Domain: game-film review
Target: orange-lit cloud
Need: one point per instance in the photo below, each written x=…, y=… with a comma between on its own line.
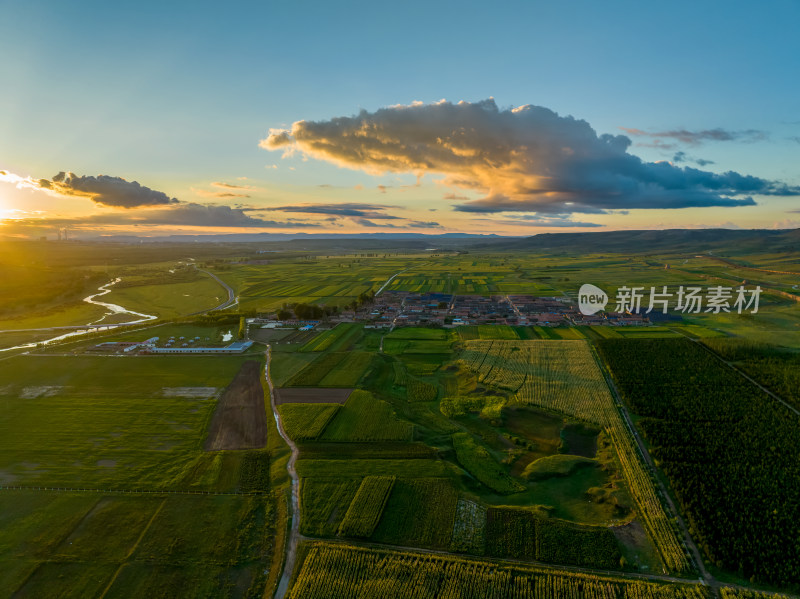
x=522, y=159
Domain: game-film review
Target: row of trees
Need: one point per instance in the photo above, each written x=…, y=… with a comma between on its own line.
x=729, y=449
x=303, y=311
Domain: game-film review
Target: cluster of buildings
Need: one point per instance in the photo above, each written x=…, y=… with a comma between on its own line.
x=181, y=345
x=401, y=308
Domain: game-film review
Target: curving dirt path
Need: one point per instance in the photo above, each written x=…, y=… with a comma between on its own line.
x=294, y=534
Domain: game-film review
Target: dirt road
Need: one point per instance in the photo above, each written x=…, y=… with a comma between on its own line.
x=294, y=534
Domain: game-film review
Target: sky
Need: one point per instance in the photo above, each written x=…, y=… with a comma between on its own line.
x=154, y=118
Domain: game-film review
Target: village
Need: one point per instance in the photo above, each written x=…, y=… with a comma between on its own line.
x=400, y=308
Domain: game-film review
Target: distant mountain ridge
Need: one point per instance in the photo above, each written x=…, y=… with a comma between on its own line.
x=662, y=240
x=648, y=241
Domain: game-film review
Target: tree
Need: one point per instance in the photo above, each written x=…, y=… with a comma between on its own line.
x=242, y=328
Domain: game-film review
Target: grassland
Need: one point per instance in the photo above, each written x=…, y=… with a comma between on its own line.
x=169, y=300
x=128, y=425
x=78, y=545
x=556, y=466
x=141, y=421
x=480, y=463
x=563, y=376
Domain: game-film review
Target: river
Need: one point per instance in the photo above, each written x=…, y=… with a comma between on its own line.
x=112, y=309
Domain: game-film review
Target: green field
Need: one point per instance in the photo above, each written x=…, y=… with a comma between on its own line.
x=325, y=502
x=78, y=545
x=140, y=424
x=728, y=449
x=480, y=463
x=495, y=441
x=366, y=508
x=125, y=424
x=365, y=418
x=420, y=512
x=306, y=421
x=169, y=300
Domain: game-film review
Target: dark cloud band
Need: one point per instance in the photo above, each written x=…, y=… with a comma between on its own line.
x=108, y=191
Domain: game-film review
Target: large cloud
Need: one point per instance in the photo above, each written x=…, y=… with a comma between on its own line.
x=105, y=190
x=522, y=159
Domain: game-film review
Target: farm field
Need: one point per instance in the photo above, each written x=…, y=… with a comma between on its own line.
x=333, y=570
x=137, y=441
x=775, y=367
x=481, y=444
x=333, y=280
x=481, y=450
x=83, y=544
x=141, y=423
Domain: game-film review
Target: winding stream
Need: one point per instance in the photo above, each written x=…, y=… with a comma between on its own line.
x=112, y=309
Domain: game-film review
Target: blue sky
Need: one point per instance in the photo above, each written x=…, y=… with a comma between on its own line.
x=178, y=97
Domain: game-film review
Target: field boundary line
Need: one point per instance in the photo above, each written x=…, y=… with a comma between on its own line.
x=133, y=548
x=747, y=377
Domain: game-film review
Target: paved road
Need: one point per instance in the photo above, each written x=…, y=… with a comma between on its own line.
x=294, y=535
x=231, y=295
x=389, y=280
